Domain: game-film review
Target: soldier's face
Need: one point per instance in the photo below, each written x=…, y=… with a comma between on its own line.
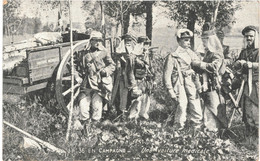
x=95, y=43
x=205, y=42
x=250, y=37
x=128, y=43
x=185, y=43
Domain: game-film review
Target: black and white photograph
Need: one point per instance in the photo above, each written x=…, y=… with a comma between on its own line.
x=130, y=80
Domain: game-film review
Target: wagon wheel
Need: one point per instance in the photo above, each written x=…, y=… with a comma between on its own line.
x=63, y=79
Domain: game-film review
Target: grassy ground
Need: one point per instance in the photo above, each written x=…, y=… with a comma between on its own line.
x=153, y=139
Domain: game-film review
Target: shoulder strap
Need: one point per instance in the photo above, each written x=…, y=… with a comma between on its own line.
x=179, y=71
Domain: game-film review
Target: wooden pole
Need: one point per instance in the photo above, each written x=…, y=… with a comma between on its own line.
x=72, y=75
x=46, y=144
x=122, y=18
x=103, y=22
x=215, y=13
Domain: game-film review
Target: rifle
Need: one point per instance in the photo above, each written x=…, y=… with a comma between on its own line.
x=236, y=101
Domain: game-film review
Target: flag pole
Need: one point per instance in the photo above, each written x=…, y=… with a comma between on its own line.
x=72, y=74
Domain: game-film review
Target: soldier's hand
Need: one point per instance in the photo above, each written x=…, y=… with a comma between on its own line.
x=173, y=95
x=130, y=56
x=239, y=64
x=79, y=79
x=247, y=65
x=103, y=73
x=211, y=67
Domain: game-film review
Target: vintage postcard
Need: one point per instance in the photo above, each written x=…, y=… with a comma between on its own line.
x=130, y=80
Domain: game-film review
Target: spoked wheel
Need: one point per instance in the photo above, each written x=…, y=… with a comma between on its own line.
x=63, y=80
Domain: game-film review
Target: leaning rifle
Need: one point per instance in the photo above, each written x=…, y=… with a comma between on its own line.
x=236, y=101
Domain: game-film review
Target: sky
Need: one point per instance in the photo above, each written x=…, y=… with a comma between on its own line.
x=249, y=15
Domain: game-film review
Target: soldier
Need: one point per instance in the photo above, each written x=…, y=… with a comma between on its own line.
x=179, y=81
x=143, y=77
x=125, y=79
x=226, y=50
x=211, y=69
x=97, y=81
x=247, y=65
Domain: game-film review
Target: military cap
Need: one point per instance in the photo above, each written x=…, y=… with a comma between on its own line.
x=184, y=33
x=129, y=36
x=248, y=28
x=143, y=39
x=96, y=35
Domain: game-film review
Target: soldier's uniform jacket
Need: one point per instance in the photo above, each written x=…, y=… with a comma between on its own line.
x=249, y=101
x=252, y=56
x=183, y=58
x=213, y=60
x=227, y=55
x=140, y=64
x=99, y=67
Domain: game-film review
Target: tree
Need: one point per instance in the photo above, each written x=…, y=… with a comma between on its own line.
x=121, y=10
x=11, y=21
x=149, y=18
x=188, y=13
x=30, y=26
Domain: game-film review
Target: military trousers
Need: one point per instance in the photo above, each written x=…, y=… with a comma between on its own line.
x=188, y=98
x=97, y=106
x=250, y=105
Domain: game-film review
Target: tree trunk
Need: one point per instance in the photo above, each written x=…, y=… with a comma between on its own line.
x=191, y=25
x=149, y=18
x=126, y=22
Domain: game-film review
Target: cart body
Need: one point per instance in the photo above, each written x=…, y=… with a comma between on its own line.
x=34, y=72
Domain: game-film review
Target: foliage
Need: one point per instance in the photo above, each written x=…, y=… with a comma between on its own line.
x=189, y=13
x=10, y=16
x=30, y=26
x=121, y=10
x=203, y=11
x=119, y=140
x=118, y=12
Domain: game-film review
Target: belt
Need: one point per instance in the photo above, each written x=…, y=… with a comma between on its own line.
x=187, y=73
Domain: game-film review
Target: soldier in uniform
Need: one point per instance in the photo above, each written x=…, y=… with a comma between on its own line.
x=247, y=65
x=226, y=50
x=97, y=81
x=125, y=79
x=211, y=68
x=143, y=77
x=179, y=79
